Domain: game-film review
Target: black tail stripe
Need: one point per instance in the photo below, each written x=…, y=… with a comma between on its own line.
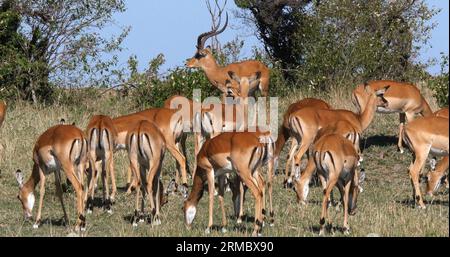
x=332, y=160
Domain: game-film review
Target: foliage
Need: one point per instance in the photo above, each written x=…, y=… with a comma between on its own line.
x=439, y=84
x=58, y=42
x=320, y=44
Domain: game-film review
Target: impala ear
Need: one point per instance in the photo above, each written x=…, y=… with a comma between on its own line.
x=381, y=92
x=257, y=76
x=19, y=177
x=234, y=76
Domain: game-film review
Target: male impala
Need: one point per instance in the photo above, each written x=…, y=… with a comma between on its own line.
x=403, y=98
x=101, y=135
x=342, y=128
x=171, y=125
x=284, y=133
x=306, y=123
x=336, y=160
x=60, y=147
x=219, y=76
x=424, y=136
x=243, y=153
x=146, y=148
x=3, y=108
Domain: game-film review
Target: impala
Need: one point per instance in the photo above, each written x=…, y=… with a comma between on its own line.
x=284, y=133
x=60, y=147
x=3, y=108
x=243, y=153
x=424, y=136
x=101, y=135
x=342, y=128
x=306, y=123
x=146, y=148
x=336, y=160
x=403, y=98
x=218, y=76
x=171, y=125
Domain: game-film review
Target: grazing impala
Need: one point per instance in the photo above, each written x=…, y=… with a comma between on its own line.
x=284, y=133
x=243, y=153
x=219, y=76
x=101, y=135
x=306, y=123
x=424, y=136
x=146, y=148
x=60, y=147
x=336, y=160
x=171, y=125
x=403, y=98
x=342, y=128
x=3, y=108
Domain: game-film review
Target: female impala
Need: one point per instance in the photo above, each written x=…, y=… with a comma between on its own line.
x=101, y=135
x=306, y=123
x=336, y=160
x=243, y=153
x=284, y=133
x=217, y=75
x=403, y=98
x=60, y=147
x=342, y=128
x=171, y=125
x=424, y=136
x=146, y=148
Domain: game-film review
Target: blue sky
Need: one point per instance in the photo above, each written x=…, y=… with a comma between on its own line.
x=171, y=27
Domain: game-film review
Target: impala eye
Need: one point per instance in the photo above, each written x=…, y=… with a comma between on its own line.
x=199, y=55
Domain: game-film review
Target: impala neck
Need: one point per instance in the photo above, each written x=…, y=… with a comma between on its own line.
x=426, y=110
x=212, y=69
x=366, y=117
x=33, y=180
x=197, y=188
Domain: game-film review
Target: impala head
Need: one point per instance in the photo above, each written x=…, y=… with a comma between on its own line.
x=434, y=181
x=190, y=210
x=25, y=196
x=358, y=179
x=203, y=56
x=363, y=93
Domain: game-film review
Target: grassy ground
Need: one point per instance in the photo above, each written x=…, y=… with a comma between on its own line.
x=384, y=208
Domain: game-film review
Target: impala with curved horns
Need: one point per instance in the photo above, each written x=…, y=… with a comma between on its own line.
x=219, y=76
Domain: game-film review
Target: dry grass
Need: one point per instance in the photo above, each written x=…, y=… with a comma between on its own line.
x=383, y=208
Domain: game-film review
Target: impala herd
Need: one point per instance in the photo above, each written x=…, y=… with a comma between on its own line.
x=224, y=146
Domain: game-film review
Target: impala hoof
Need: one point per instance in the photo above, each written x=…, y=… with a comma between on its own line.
x=208, y=231
x=156, y=222
x=224, y=230
x=35, y=226
x=135, y=225
x=346, y=231
x=239, y=221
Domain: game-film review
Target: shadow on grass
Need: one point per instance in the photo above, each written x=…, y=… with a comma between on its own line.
x=54, y=222
x=411, y=203
x=379, y=140
x=329, y=231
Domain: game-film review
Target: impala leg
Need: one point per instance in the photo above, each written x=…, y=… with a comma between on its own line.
x=91, y=187
x=59, y=193
x=326, y=199
x=41, y=198
x=152, y=184
x=255, y=188
x=270, y=174
x=211, y=189
x=289, y=160
x=400, y=132
x=136, y=175
x=304, y=145
x=105, y=178
x=346, y=192
x=181, y=161
x=110, y=161
x=221, y=202
x=78, y=187
x=414, y=172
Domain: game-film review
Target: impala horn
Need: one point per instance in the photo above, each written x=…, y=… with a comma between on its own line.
x=203, y=37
